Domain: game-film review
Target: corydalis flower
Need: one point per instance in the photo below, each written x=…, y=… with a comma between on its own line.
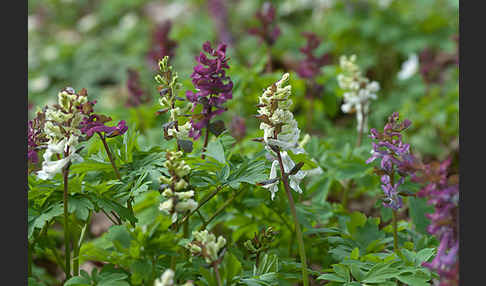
x=178, y=126
x=96, y=124
x=161, y=44
x=442, y=192
x=280, y=131
x=268, y=32
x=206, y=245
x=35, y=137
x=311, y=65
x=359, y=91
x=62, y=132
x=179, y=197
x=395, y=158
x=278, y=123
x=136, y=94
x=213, y=86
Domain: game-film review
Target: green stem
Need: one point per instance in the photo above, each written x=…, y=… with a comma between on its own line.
x=113, y=164
x=29, y=260
x=186, y=235
x=220, y=210
x=203, y=202
x=218, y=277
x=110, y=156
x=291, y=244
x=395, y=233
x=298, y=232
x=75, y=256
x=173, y=259
x=66, y=225
x=206, y=137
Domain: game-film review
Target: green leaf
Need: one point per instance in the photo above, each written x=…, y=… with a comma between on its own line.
x=354, y=254
x=120, y=234
x=418, y=210
x=415, y=279
x=380, y=273
x=342, y=271
x=424, y=255
x=232, y=267
x=38, y=220
x=356, y=219
x=356, y=271
x=331, y=277
x=77, y=281
x=113, y=279
x=216, y=151
x=80, y=206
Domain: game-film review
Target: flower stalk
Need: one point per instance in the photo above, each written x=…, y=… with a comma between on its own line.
x=298, y=232
x=66, y=224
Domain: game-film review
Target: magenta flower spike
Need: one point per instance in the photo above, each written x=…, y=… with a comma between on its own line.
x=213, y=86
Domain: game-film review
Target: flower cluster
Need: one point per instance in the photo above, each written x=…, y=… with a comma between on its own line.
x=311, y=65
x=278, y=123
x=136, y=94
x=35, y=137
x=358, y=90
x=177, y=127
x=213, y=86
x=179, y=198
x=395, y=158
x=443, y=193
x=167, y=279
x=161, y=44
x=206, y=245
x=280, y=130
x=269, y=31
x=62, y=131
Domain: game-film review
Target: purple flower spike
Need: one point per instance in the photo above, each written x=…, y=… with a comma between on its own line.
x=213, y=86
x=269, y=31
x=442, y=192
x=161, y=45
x=395, y=158
x=310, y=66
